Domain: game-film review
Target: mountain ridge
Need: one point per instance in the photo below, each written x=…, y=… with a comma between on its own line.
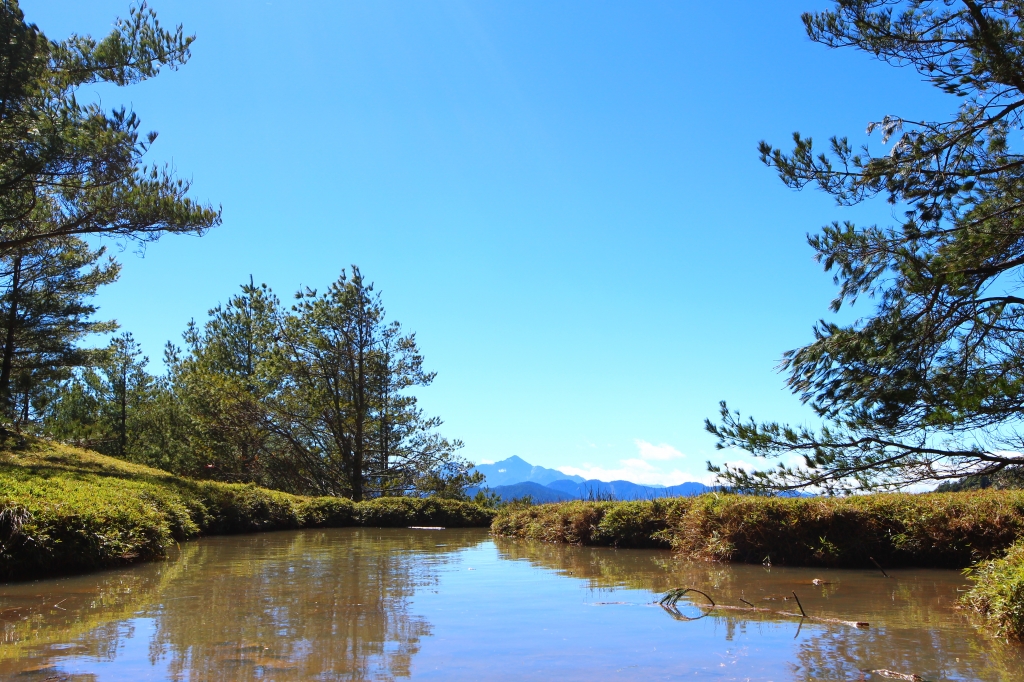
x=514, y=478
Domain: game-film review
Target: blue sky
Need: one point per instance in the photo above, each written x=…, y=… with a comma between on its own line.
x=563, y=200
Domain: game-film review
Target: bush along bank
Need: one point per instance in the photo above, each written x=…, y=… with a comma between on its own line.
x=65, y=510
x=939, y=530
x=998, y=593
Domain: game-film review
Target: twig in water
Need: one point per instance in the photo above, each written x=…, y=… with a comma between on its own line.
x=800, y=605
x=879, y=567
x=673, y=596
x=668, y=602
x=893, y=675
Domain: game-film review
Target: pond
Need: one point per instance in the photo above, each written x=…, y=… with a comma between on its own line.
x=360, y=603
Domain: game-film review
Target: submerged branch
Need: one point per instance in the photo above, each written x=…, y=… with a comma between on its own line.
x=672, y=597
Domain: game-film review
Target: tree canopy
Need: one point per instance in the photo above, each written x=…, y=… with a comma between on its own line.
x=68, y=167
x=315, y=399
x=929, y=385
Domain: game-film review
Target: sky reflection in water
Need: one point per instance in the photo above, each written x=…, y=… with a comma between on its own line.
x=353, y=604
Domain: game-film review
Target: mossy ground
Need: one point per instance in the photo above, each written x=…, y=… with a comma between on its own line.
x=67, y=510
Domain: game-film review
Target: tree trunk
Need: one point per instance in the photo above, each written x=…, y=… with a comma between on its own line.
x=7, y=365
x=123, y=434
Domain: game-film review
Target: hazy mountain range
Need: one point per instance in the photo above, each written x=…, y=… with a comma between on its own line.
x=515, y=478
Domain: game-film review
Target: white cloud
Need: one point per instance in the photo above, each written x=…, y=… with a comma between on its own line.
x=645, y=468
x=652, y=451
x=486, y=461
x=635, y=470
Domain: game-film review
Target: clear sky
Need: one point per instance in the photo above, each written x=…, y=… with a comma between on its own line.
x=562, y=199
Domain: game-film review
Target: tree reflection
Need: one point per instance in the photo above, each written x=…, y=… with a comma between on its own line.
x=283, y=606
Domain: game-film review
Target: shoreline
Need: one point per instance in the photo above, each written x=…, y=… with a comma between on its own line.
x=64, y=510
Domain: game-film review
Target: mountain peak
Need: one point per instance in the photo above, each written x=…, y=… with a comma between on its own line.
x=515, y=469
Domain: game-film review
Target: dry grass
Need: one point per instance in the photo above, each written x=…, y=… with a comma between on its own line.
x=950, y=530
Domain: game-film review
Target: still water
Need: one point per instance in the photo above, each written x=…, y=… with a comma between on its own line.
x=379, y=604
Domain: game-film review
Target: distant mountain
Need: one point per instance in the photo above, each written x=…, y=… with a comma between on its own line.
x=537, y=492
x=514, y=477
x=517, y=470
x=625, y=490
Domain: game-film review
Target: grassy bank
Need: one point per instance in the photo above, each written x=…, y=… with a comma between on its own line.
x=66, y=510
x=998, y=592
x=948, y=530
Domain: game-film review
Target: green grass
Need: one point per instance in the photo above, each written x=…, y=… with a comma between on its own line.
x=998, y=593
x=66, y=510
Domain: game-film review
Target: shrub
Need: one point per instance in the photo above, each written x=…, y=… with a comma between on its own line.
x=950, y=530
x=998, y=592
x=327, y=512
x=390, y=512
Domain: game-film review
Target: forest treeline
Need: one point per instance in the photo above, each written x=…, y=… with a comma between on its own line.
x=312, y=398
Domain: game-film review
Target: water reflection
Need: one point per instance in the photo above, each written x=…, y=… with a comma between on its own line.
x=278, y=606
x=915, y=625
x=355, y=604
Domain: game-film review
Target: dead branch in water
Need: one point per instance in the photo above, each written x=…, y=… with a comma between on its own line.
x=879, y=567
x=799, y=605
x=892, y=674
x=669, y=600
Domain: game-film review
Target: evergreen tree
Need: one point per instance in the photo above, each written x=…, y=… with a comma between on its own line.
x=407, y=453
x=349, y=426
x=45, y=314
x=107, y=408
x=68, y=167
x=930, y=385
x=225, y=383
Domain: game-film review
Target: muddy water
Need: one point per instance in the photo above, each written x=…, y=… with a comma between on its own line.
x=355, y=604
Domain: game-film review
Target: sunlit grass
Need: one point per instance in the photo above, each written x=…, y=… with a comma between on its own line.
x=951, y=530
x=65, y=510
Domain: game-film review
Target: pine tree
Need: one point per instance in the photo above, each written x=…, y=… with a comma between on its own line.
x=45, y=312
x=225, y=381
x=350, y=427
x=930, y=385
x=68, y=167
x=107, y=407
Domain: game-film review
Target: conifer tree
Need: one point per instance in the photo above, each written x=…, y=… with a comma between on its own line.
x=930, y=384
x=350, y=428
x=225, y=381
x=106, y=407
x=45, y=312
x=68, y=167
